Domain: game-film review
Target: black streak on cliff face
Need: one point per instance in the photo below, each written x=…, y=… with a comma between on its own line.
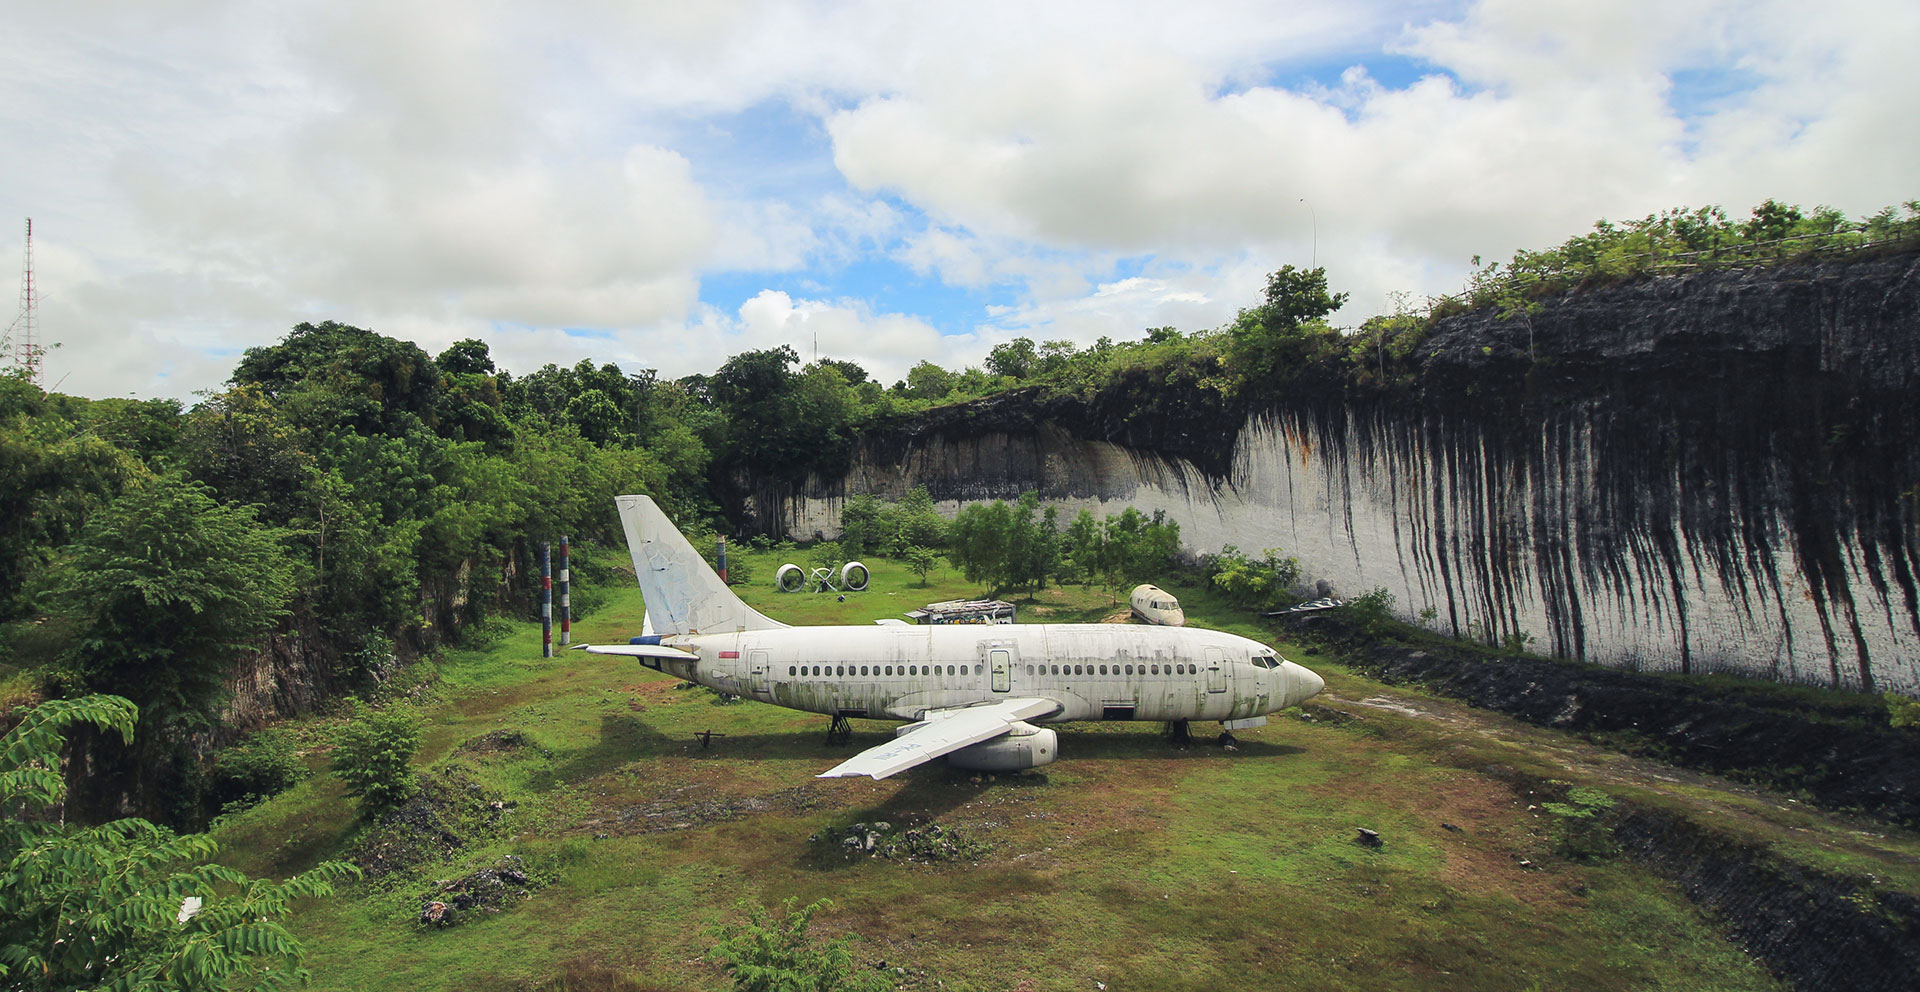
x=1728, y=426
x=1712, y=472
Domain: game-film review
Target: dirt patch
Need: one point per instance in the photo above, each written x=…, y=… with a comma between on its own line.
x=693, y=806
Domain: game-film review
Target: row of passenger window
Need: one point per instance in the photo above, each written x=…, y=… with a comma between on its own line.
x=870, y=671
x=843, y=671
x=1124, y=670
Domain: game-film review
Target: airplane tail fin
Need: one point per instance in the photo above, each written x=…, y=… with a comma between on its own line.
x=683, y=594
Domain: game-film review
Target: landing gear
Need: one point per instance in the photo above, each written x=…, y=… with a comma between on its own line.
x=1227, y=739
x=840, y=731
x=1176, y=733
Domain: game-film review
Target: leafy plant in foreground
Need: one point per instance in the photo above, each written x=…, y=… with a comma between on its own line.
x=127, y=905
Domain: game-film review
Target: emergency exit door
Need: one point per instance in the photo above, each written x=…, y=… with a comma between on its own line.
x=1000, y=666
x=760, y=674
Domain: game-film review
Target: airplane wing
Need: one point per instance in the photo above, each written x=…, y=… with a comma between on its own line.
x=636, y=650
x=945, y=731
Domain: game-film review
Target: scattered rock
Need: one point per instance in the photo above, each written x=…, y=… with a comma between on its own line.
x=880, y=839
x=1369, y=838
x=499, y=741
x=488, y=890
x=1450, y=826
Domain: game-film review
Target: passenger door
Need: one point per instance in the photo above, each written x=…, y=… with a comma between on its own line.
x=1000, y=667
x=1216, y=670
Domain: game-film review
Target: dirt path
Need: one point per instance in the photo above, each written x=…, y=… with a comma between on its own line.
x=1474, y=735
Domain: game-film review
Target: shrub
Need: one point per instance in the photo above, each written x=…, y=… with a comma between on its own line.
x=1264, y=583
x=1903, y=712
x=258, y=768
x=1371, y=609
x=372, y=754
x=768, y=955
x=1581, y=827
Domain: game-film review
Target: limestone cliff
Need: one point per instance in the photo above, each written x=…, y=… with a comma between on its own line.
x=1712, y=472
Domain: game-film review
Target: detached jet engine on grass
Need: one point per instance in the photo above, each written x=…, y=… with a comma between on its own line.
x=970, y=693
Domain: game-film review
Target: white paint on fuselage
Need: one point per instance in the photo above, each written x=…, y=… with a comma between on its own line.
x=1095, y=671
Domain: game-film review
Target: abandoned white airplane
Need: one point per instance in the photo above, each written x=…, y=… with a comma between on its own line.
x=971, y=693
x=1156, y=605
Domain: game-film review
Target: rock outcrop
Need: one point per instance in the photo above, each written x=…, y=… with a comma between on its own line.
x=1702, y=473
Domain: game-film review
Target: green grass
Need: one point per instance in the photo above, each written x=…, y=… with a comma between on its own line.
x=1128, y=861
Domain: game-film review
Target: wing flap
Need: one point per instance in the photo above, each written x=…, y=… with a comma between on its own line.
x=946, y=731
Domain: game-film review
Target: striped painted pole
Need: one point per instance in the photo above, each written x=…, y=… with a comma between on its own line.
x=723, y=557
x=566, y=591
x=546, y=599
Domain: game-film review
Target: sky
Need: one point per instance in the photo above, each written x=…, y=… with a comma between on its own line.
x=664, y=185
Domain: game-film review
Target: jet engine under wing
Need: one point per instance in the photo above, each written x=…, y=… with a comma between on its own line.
x=944, y=731
x=638, y=651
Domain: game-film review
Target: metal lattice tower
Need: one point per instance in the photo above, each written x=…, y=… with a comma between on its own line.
x=26, y=342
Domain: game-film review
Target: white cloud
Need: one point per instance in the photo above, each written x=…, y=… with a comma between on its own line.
x=203, y=175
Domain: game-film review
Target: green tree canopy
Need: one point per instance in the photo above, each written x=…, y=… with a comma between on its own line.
x=1016, y=359
x=168, y=586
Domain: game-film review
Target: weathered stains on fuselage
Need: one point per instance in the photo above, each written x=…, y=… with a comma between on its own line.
x=1095, y=671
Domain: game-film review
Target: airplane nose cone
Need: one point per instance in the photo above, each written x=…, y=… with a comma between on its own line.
x=1306, y=684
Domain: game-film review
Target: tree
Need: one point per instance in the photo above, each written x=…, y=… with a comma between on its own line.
x=128, y=905
x=1083, y=543
x=373, y=755
x=1285, y=331
x=466, y=357
x=395, y=381
x=1015, y=359
x=598, y=418
x=169, y=587
x=861, y=530
x=980, y=543
x=918, y=522
x=921, y=561
x=928, y=381
x=1054, y=357
x=53, y=475
x=1032, y=543
x=1136, y=548
x=850, y=371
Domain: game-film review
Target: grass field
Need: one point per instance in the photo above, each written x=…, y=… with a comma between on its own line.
x=1127, y=862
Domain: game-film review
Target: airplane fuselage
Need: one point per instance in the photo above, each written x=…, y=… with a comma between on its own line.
x=1094, y=671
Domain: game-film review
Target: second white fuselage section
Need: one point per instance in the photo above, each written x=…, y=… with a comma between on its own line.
x=1094, y=671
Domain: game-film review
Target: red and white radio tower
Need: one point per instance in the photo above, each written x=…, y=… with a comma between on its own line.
x=26, y=345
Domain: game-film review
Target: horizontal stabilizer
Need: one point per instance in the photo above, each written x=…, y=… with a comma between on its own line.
x=638, y=651
x=945, y=731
